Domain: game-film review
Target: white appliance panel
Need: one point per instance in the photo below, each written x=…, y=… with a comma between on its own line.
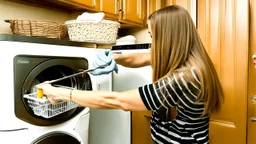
x=127, y=79
x=114, y=126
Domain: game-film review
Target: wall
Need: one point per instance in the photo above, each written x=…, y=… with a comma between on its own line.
x=11, y=10
x=141, y=35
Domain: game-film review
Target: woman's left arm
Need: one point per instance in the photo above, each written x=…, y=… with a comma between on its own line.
x=128, y=100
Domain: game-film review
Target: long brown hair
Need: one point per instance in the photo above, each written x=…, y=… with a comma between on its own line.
x=175, y=43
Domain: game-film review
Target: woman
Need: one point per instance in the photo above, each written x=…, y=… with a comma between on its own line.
x=183, y=77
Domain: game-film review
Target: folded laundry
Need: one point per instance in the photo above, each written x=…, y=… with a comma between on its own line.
x=92, y=17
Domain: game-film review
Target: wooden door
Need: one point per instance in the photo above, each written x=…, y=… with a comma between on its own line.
x=184, y=3
x=133, y=12
x=153, y=5
x=110, y=8
x=189, y=5
x=223, y=27
x=251, y=137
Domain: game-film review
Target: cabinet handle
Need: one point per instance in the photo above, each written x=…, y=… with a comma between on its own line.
x=120, y=10
x=120, y=15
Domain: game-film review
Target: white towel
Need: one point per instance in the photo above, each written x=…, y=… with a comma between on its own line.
x=129, y=39
x=91, y=17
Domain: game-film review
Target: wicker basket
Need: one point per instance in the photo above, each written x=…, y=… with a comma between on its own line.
x=48, y=29
x=104, y=32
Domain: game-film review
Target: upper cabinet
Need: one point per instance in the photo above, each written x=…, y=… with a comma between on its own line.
x=84, y=4
x=128, y=12
x=110, y=8
x=132, y=12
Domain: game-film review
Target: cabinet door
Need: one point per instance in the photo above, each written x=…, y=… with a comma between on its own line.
x=133, y=12
x=110, y=8
x=223, y=27
x=86, y=4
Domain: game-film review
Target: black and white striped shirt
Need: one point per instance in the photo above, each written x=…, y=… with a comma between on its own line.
x=179, y=91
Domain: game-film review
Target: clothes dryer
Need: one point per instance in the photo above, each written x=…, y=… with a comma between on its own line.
x=118, y=129
x=28, y=61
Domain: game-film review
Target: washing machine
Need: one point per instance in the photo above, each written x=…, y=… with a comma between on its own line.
x=28, y=61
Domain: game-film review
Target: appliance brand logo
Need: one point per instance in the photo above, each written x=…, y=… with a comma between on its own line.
x=22, y=61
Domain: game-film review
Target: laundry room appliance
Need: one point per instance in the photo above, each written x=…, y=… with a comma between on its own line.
x=27, y=61
x=114, y=126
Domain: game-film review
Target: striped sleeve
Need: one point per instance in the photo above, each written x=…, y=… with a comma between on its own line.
x=164, y=93
x=170, y=91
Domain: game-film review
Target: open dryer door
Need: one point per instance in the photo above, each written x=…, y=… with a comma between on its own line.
x=31, y=70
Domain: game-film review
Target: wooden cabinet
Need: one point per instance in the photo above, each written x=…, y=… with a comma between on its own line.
x=85, y=4
x=110, y=8
x=132, y=12
x=129, y=12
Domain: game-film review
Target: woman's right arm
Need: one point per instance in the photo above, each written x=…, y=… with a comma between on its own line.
x=133, y=60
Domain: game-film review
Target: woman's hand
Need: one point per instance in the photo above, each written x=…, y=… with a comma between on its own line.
x=102, y=59
x=53, y=94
